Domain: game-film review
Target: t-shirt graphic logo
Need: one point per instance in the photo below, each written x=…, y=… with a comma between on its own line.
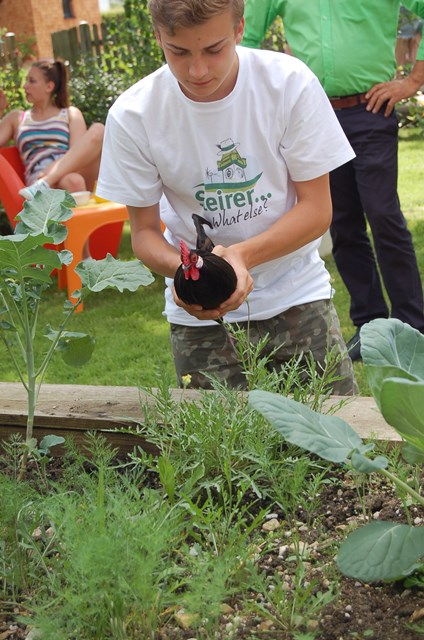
x=231, y=173
x=231, y=164
x=228, y=191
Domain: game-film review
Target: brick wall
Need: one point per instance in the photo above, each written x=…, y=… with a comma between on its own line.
x=40, y=18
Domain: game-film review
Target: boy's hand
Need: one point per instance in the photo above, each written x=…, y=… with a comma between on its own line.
x=244, y=279
x=196, y=310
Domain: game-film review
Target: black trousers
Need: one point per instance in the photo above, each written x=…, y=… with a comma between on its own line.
x=365, y=189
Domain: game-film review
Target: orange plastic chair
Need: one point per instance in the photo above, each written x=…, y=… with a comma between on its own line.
x=101, y=223
x=84, y=222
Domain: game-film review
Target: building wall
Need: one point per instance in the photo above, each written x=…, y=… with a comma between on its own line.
x=40, y=18
x=17, y=16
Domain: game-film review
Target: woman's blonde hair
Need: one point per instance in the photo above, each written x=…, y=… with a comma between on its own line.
x=171, y=14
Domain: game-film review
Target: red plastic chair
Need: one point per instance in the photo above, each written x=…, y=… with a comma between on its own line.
x=11, y=180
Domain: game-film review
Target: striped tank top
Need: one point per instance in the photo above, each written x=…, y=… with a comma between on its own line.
x=39, y=141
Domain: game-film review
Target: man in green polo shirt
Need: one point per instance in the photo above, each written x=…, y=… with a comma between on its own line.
x=350, y=47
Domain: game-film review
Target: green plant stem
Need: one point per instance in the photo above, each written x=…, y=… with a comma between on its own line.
x=33, y=389
x=402, y=485
x=35, y=321
x=31, y=378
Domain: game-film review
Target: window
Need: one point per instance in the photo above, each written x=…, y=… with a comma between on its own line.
x=67, y=9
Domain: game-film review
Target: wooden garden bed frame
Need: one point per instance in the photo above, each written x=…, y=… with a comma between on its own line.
x=72, y=410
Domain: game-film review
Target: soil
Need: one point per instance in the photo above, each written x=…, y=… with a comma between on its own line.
x=359, y=611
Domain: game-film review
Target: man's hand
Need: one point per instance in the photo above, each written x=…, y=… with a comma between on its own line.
x=396, y=90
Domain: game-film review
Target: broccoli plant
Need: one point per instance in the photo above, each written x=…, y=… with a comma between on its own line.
x=393, y=355
x=26, y=266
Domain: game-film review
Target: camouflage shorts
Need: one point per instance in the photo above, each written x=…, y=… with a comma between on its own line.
x=313, y=327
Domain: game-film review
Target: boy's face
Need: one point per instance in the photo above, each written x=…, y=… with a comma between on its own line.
x=203, y=57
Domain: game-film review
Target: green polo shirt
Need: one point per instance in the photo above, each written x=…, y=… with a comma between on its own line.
x=348, y=44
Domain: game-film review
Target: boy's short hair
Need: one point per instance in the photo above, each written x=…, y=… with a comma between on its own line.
x=171, y=14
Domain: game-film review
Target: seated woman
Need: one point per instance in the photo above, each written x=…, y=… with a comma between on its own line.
x=56, y=148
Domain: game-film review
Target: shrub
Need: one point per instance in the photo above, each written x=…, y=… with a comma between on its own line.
x=94, y=89
x=12, y=74
x=130, y=53
x=11, y=81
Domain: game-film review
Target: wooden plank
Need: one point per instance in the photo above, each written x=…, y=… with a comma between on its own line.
x=124, y=442
x=79, y=406
x=88, y=407
x=97, y=43
x=10, y=47
x=73, y=45
x=72, y=410
x=85, y=39
x=364, y=417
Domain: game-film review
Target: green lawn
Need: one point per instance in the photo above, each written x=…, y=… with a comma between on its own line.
x=132, y=343
x=130, y=333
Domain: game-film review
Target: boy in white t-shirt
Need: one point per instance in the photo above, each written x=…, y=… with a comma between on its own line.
x=245, y=139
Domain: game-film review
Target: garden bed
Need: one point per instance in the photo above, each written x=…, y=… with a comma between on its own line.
x=298, y=592
x=359, y=611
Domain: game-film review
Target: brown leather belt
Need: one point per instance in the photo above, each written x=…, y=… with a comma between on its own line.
x=345, y=102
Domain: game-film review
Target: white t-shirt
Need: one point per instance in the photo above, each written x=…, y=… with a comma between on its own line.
x=233, y=161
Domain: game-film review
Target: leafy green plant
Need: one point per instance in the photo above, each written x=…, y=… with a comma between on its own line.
x=301, y=376
x=13, y=496
x=114, y=541
x=11, y=81
x=95, y=88
x=39, y=452
x=212, y=443
x=130, y=52
x=12, y=73
x=393, y=355
x=136, y=32
x=141, y=561
x=26, y=266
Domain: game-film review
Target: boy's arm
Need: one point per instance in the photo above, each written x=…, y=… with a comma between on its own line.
x=148, y=242
x=307, y=220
